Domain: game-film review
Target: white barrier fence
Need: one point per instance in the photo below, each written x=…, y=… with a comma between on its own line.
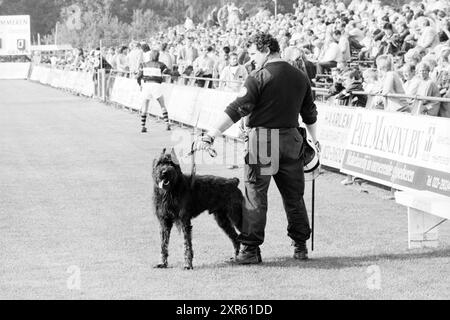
x=14, y=70
x=75, y=81
x=394, y=149
x=193, y=106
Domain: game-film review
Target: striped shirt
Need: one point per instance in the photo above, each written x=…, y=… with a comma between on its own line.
x=152, y=71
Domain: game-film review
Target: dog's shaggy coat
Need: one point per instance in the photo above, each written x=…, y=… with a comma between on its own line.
x=178, y=199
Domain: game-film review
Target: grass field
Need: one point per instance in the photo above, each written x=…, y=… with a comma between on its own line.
x=76, y=191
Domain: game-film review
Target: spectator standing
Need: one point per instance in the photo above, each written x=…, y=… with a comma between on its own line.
x=390, y=82
x=165, y=57
x=352, y=82
x=122, y=61
x=330, y=56
x=428, y=88
x=442, y=71
x=344, y=47
x=110, y=57
x=204, y=66
x=233, y=16
x=411, y=81
x=444, y=110
x=390, y=43
x=428, y=38
x=233, y=72
x=222, y=16
x=188, y=53
x=135, y=59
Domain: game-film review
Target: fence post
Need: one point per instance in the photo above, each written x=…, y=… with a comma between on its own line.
x=103, y=83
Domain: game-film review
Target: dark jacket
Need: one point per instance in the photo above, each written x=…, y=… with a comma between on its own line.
x=346, y=96
x=273, y=97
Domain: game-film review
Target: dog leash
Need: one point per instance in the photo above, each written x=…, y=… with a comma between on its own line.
x=210, y=150
x=212, y=153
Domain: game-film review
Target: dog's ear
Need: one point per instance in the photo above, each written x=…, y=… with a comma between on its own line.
x=174, y=157
x=163, y=153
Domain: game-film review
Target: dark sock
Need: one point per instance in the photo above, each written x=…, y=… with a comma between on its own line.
x=165, y=117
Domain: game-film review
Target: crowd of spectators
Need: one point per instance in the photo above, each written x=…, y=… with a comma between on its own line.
x=344, y=47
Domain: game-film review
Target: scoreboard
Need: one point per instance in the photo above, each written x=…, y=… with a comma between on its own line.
x=15, y=35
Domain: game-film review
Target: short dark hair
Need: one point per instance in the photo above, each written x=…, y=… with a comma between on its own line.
x=154, y=55
x=226, y=50
x=354, y=74
x=264, y=41
x=388, y=26
x=145, y=47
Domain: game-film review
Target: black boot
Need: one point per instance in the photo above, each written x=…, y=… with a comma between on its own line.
x=248, y=255
x=300, y=250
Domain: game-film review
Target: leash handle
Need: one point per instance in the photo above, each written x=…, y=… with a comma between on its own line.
x=212, y=152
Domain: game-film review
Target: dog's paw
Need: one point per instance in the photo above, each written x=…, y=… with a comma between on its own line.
x=161, y=266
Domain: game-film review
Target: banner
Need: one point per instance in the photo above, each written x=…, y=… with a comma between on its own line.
x=400, y=150
x=333, y=131
x=15, y=35
x=212, y=104
x=182, y=104
x=14, y=71
x=76, y=81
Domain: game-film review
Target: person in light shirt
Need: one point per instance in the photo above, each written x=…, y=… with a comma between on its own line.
x=122, y=60
x=390, y=82
x=330, y=56
x=135, y=59
x=165, y=57
x=411, y=83
x=344, y=47
x=428, y=38
x=204, y=66
x=233, y=74
x=427, y=87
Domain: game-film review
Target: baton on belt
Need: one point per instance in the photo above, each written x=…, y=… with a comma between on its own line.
x=312, y=213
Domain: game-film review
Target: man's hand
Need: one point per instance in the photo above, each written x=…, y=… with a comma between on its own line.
x=205, y=142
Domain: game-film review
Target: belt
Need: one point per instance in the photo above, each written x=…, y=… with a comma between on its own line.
x=149, y=81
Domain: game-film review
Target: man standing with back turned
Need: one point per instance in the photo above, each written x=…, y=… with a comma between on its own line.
x=272, y=98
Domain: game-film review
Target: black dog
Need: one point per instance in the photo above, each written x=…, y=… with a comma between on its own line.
x=178, y=198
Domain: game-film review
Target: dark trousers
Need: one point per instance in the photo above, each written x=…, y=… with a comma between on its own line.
x=323, y=67
x=290, y=181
